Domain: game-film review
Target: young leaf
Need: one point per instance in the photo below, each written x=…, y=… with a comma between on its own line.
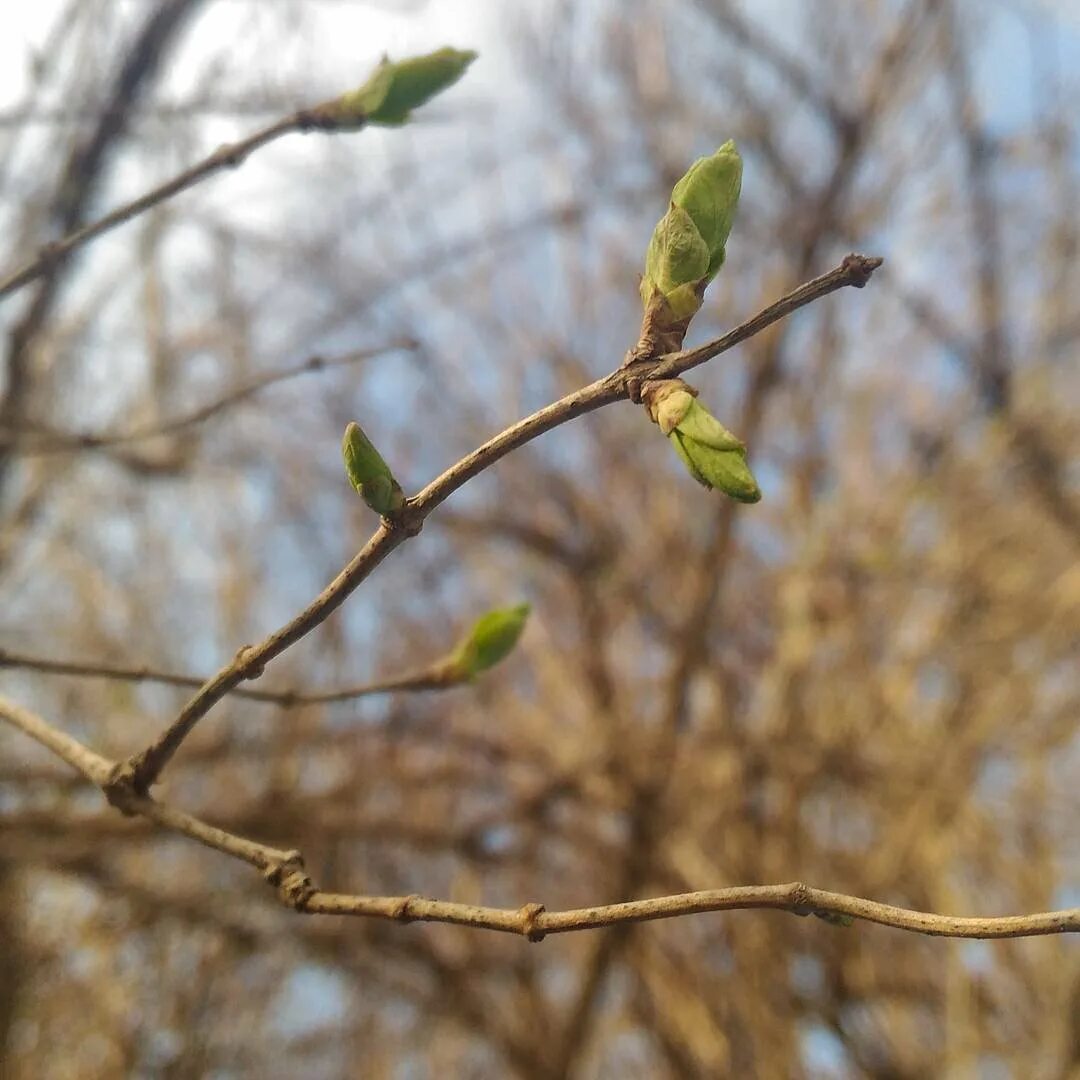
x=712, y=455
x=688, y=244
x=369, y=474
x=725, y=470
x=709, y=193
x=395, y=88
x=699, y=424
x=677, y=254
x=490, y=640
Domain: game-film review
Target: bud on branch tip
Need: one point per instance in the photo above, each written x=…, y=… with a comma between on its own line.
x=491, y=639
x=688, y=244
x=369, y=474
x=395, y=88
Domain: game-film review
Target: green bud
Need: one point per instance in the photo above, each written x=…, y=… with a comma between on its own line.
x=725, y=470
x=712, y=455
x=677, y=259
x=688, y=244
x=491, y=639
x=369, y=474
x=709, y=193
x=396, y=88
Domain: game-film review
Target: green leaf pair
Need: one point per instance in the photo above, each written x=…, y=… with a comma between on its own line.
x=369, y=474
x=712, y=455
x=396, y=88
x=491, y=639
x=688, y=244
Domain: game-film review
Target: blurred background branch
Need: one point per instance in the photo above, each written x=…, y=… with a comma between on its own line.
x=867, y=681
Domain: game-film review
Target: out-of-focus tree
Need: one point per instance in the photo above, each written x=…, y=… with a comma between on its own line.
x=867, y=682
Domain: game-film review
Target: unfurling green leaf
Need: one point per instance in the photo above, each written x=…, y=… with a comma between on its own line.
x=709, y=193
x=725, y=470
x=677, y=259
x=712, y=455
x=369, y=474
x=490, y=640
x=397, y=87
x=688, y=244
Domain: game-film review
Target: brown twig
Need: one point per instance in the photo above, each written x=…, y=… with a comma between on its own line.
x=285, y=870
x=142, y=770
x=228, y=156
x=50, y=442
x=533, y=922
x=430, y=678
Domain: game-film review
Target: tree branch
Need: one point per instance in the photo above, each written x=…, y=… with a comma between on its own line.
x=53, y=442
x=430, y=678
x=285, y=870
x=142, y=770
x=227, y=156
x=533, y=922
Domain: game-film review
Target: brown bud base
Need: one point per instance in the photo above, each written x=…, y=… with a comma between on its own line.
x=661, y=332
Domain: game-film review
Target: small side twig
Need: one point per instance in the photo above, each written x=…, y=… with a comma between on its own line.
x=142, y=770
x=35, y=442
x=430, y=678
x=285, y=871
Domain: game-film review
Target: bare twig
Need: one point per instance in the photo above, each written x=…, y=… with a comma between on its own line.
x=143, y=769
x=98, y=769
x=32, y=442
x=228, y=156
x=285, y=870
x=93, y=766
x=533, y=922
x=430, y=678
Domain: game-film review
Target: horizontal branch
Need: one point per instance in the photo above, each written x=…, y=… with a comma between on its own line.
x=285, y=870
x=142, y=770
x=33, y=442
x=432, y=678
x=534, y=922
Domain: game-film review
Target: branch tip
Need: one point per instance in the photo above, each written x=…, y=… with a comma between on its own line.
x=859, y=268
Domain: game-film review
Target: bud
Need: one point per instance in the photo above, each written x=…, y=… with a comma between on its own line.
x=687, y=248
x=369, y=474
x=491, y=639
x=396, y=88
x=713, y=456
x=709, y=193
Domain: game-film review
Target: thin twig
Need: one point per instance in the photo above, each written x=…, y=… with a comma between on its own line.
x=285, y=870
x=430, y=678
x=142, y=770
x=50, y=442
x=98, y=769
x=533, y=922
x=93, y=766
x=228, y=156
